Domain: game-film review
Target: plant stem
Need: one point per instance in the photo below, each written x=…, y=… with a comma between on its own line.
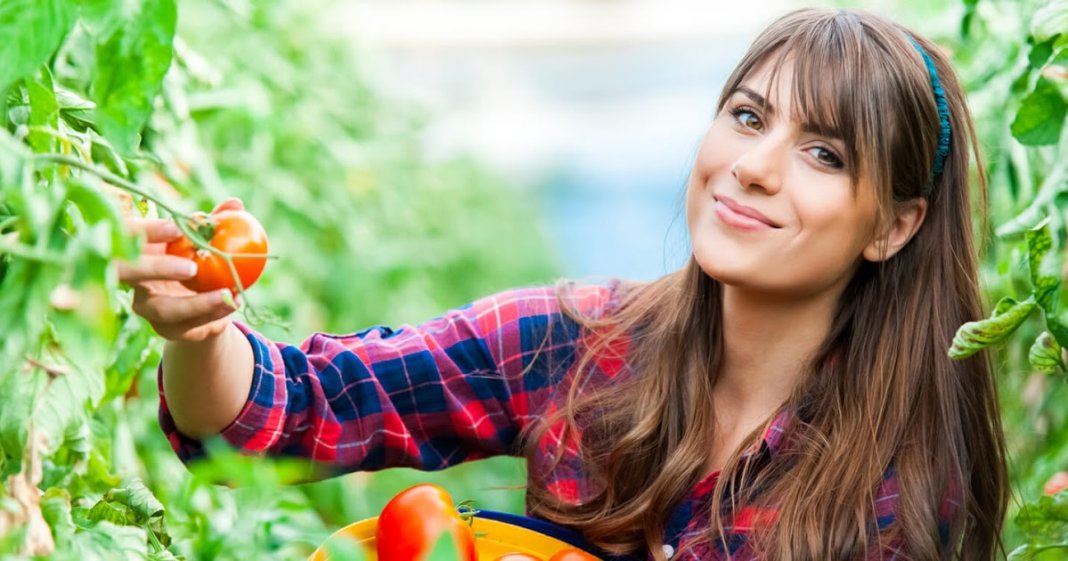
x=109, y=177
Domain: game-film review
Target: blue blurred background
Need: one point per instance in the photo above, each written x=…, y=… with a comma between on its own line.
x=596, y=108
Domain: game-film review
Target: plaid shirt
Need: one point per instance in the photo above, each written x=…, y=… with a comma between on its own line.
x=454, y=389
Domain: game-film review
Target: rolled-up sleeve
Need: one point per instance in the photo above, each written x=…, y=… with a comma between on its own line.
x=459, y=387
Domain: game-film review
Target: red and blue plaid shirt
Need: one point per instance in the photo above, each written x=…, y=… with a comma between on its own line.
x=456, y=388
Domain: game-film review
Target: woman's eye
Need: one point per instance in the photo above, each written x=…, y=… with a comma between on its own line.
x=747, y=118
x=826, y=157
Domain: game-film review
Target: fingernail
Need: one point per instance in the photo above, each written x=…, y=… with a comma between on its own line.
x=170, y=230
x=184, y=268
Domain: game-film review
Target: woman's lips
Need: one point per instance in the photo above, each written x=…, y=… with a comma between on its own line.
x=740, y=216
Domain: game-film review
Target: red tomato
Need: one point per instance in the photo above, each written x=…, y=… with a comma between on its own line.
x=1056, y=483
x=517, y=557
x=230, y=230
x=412, y=522
x=572, y=554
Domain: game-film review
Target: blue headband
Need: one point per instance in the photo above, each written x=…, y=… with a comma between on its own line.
x=943, y=118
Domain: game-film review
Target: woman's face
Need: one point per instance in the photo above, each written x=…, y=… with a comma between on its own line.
x=770, y=204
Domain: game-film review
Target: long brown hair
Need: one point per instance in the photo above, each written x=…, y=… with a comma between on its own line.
x=880, y=393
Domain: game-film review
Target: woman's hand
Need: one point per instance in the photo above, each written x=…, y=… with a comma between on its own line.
x=174, y=311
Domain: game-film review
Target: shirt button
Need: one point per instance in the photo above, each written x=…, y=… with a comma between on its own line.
x=669, y=551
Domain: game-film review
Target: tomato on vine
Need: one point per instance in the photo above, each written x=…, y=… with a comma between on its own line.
x=413, y=521
x=229, y=229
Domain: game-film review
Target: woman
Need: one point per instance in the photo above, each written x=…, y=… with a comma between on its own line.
x=785, y=395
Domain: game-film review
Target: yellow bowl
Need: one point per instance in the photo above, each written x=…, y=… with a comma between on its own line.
x=495, y=538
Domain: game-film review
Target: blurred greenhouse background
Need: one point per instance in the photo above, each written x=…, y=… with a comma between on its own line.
x=407, y=157
x=596, y=108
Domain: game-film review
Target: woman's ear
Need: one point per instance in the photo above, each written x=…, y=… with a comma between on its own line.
x=908, y=217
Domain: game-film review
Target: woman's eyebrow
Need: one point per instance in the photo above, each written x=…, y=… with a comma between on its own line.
x=757, y=98
x=821, y=129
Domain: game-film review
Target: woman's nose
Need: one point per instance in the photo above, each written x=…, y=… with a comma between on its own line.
x=760, y=165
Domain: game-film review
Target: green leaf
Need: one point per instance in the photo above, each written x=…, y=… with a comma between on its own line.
x=109, y=541
x=101, y=17
x=977, y=335
x=1058, y=327
x=131, y=63
x=17, y=392
x=138, y=498
x=66, y=403
x=1045, y=354
x=1044, y=273
x=106, y=511
x=75, y=110
x=1045, y=520
x=137, y=505
x=968, y=17
x=1041, y=116
x=1050, y=20
x=55, y=506
x=104, y=153
x=132, y=353
x=1039, y=54
x=1004, y=305
x=98, y=207
x=32, y=30
x=44, y=110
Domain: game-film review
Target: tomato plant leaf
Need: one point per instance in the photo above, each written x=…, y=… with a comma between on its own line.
x=1044, y=273
x=102, y=17
x=131, y=63
x=107, y=511
x=1004, y=305
x=44, y=110
x=977, y=335
x=1041, y=115
x=105, y=540
x=1045, y=354
x=134, y=351
x=32, y=30
x=133, y=494
x=64, y=404
x=17, y=391
x=97, y=207
x=1039, y=54
x=1045, y=520
x=56, y=508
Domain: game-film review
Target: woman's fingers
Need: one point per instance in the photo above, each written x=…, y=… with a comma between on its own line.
x=168, y=312
x=156, y=267
x=233, y=203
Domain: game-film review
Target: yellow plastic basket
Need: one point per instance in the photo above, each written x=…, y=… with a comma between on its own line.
x=496, y=538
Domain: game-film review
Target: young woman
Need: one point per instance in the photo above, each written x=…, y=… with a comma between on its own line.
x=785, y=395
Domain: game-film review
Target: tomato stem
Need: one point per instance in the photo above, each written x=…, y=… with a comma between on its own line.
x=467, y=511
x=206, y=229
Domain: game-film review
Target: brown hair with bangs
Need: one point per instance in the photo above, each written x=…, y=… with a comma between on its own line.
x=879, y=394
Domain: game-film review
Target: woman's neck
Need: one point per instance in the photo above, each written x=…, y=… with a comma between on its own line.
x=767, y=344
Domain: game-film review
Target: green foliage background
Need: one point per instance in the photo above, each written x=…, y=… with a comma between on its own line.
x=229, y=99
x=210, y=99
